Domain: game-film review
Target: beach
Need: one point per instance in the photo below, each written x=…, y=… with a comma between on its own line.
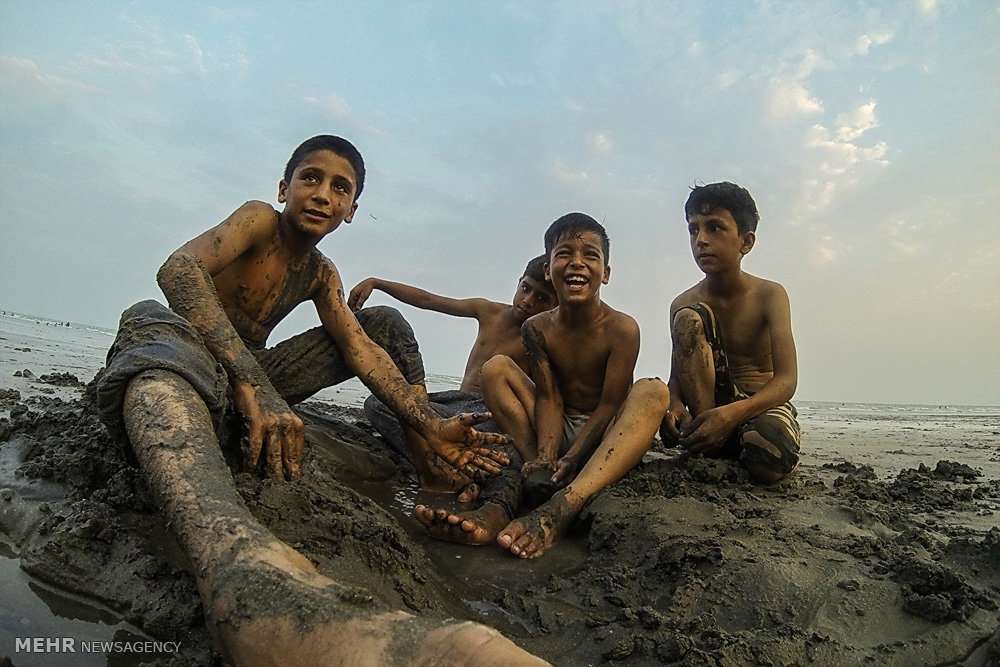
x=883, y=548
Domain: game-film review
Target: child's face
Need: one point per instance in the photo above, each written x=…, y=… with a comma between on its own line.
x=531, y=298
x=321, y=193
x=576, y=267
x=716, y=242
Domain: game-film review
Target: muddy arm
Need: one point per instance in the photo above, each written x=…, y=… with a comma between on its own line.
x=416, y=297
x=548, y=400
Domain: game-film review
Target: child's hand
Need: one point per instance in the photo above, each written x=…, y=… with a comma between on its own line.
x=272, y=428
x=675, y=419
x=356, y=299
x=535, y=465
x=465, y=448
x=566, y=468
x=709, y=430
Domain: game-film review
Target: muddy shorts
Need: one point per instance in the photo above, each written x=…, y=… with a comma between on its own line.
x=151, y=336
x=572, y=425
x=771, y=439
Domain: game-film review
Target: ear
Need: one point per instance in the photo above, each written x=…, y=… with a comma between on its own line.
x=749, y=239
x=350, y=216
x=607, y=275
x=282, y=191
x=548, y=277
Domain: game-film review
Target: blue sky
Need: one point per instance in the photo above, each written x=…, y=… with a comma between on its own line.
x=866, y=132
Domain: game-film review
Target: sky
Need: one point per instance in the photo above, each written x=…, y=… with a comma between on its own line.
x=867, y=133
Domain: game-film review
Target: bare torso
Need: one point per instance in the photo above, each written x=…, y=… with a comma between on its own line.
x=264, y=284
x=499, y=333
x=579, y=354
x=746, y=334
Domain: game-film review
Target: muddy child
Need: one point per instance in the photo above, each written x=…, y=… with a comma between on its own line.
x=172, y=375
x=499, y=333
x=575, y=417
x=733, y=369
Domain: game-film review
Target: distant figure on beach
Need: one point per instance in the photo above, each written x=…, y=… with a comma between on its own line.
x=733, y=369
x=499, y=333
x=173, y=375
x=575, y=417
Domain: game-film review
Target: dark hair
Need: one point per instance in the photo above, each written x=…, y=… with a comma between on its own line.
x=706, y=198
x=329, y=142
x=576, y=222
x=536, y=269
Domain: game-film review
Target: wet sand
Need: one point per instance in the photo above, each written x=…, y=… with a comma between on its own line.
x=841, y=564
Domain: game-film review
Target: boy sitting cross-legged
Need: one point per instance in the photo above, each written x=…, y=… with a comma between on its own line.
x=734, y=368
x=576, y=417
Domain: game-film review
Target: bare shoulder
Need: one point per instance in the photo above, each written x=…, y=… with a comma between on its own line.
x=619, y=323
x=325, y=276
x=768, y=289
x=688, y=297
x=258, y=216
x=488, y=310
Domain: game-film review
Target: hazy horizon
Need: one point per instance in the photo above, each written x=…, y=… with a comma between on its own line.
x=867, y=136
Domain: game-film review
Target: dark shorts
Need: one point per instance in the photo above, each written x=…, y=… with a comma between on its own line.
x=771, y=439
x=151, y=336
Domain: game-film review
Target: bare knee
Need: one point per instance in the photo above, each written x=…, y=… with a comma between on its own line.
x=653, y=393
x=688, y=330
x=497, y=368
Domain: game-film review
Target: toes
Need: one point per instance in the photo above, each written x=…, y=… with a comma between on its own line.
x=508, y=535
x=424, y=514
x=523, y=546
x=454, y=519
x=440, y=514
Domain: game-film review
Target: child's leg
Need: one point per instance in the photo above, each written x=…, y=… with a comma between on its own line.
x=263, y=600
x=693, y=361
x=510, y=396
x=626, y=439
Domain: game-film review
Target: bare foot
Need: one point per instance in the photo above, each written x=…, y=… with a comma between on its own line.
x=479, y=526
x=533, y=534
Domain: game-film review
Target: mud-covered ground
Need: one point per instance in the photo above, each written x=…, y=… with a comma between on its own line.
x=693, y=566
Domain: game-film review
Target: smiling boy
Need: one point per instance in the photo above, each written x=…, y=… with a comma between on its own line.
x=576, y=409
x=733, y=367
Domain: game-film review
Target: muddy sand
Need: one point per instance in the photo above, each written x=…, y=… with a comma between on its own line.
x=838, y=565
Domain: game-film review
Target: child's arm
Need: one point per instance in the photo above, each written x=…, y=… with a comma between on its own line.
x=453, y=439
x=712, y=426
x=677, y=416
x=186, y=281
x=617, y=381
x=417, y=297
x=548, y=399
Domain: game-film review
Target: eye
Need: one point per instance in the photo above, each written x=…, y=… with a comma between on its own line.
x=310, y=178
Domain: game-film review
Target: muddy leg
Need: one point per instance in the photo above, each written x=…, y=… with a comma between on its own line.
x=625, y=441
x=510, y=396
x=264, y=601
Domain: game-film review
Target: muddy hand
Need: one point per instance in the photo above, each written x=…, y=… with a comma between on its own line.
x=360, y=293
x=457, y=442
x=272, y=430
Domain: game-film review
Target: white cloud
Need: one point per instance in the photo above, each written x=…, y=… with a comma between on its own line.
x=727, y=79
x=23, y=74
x=927, y=6
x=567, y=175
x=196, y=53
x=866, y=41
x=787, y=99
x=852, y=125
x=695, y=48
x=332, y=104
x=600, y=142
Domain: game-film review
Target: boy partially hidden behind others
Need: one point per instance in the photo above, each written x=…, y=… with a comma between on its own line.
x=733, y=367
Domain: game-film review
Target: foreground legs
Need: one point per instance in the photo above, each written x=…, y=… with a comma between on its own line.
x=264, y=601
x=627, y=438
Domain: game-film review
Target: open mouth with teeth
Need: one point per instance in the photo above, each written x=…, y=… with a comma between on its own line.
x=576, y=283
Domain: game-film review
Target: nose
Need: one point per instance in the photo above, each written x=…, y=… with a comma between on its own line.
x=322, y=194
x=699, y=239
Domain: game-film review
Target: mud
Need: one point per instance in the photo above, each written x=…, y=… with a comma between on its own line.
x=692, y=566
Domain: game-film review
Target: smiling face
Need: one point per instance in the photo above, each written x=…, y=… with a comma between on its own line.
x=716, y=241
x=320, y=194
x=532, y=297
x=576, y=267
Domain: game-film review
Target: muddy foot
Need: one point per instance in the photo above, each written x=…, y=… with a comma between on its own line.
x=533, y=534
x=479, y=526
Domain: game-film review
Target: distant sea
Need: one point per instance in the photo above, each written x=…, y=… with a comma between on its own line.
x=884, y=435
